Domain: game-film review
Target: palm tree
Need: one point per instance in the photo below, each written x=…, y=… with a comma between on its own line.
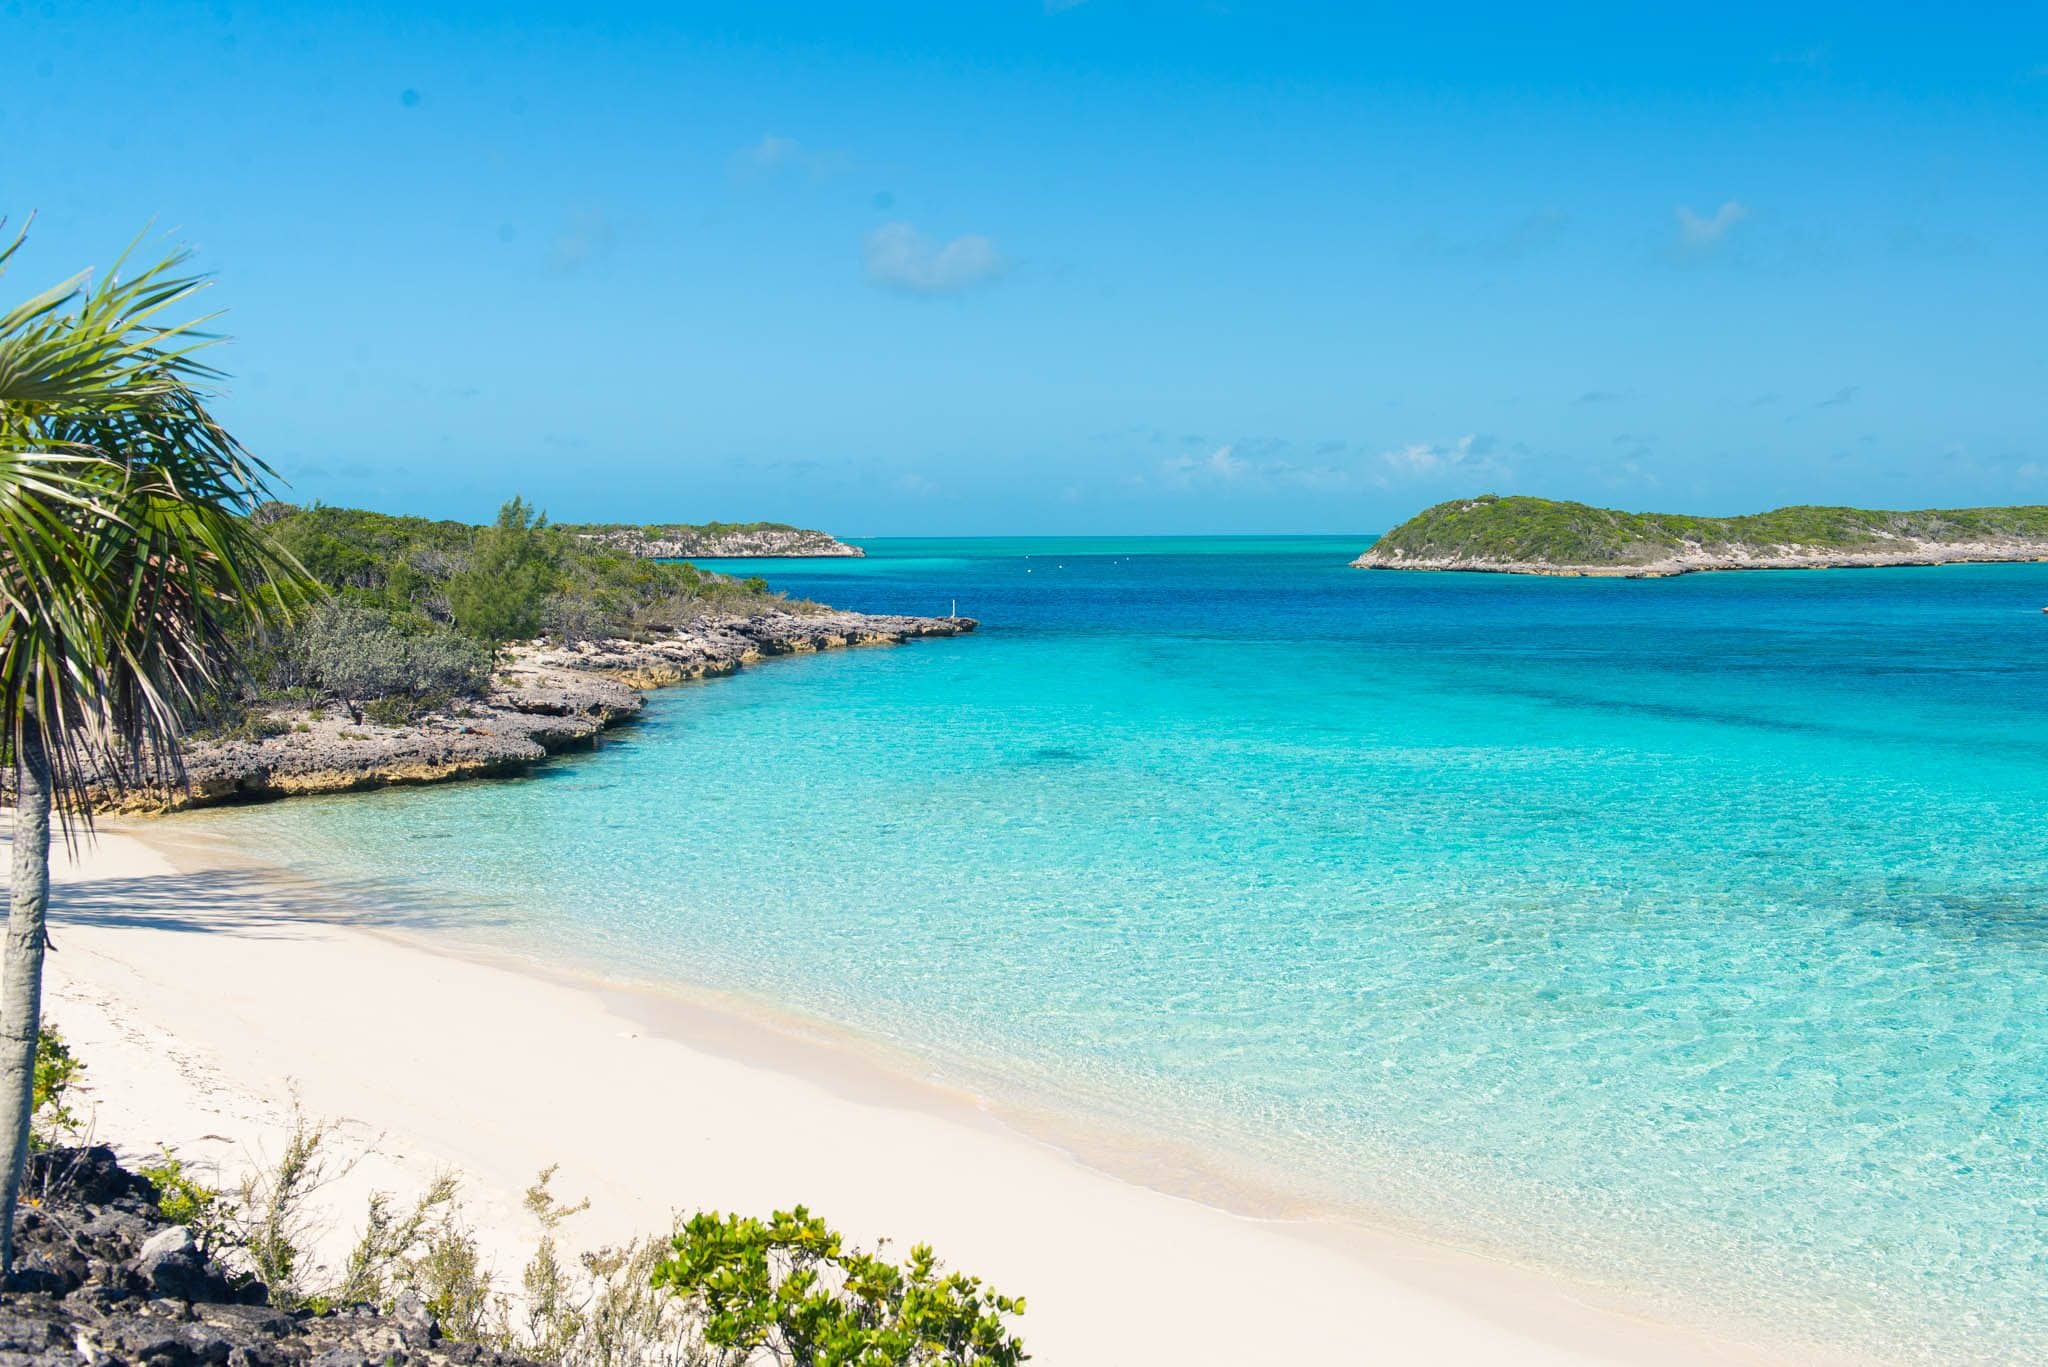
x=127, y=572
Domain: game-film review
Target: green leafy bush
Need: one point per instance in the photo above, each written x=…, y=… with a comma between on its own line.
x=499, y=594
x=516, y=578
x=718, y=1291
x=183, y=1199
x=271, y=1225
x=790, y=1288
x=57, y=1068
x=360, y=652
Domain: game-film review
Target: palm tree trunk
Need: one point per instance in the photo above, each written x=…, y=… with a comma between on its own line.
x=21, y=976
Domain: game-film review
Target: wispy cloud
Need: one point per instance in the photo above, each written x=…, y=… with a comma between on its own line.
x=773, y=150
x=1261, y=465
x=1062, y=6
x=1841, y=397
x=1221, y=466
x=901, y=258
x=776, y=154
x=1703, y=233
x=1468, y=455
x=587, y=236
x=1597, y=396
x=1631, y=464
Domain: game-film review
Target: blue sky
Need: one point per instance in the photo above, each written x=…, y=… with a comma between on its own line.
x=1110, y=266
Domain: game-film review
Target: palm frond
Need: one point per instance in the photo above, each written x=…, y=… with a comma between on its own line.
x=128, y=567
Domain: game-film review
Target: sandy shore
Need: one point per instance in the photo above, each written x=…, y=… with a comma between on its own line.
x=203, y=999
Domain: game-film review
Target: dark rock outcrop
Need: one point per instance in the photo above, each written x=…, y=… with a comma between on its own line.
x=101, y=1278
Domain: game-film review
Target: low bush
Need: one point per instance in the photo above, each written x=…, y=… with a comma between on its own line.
x=183, y=1199
x=790, y=1288
x=57, y=1068
x=717, y=1291
x=358, y=653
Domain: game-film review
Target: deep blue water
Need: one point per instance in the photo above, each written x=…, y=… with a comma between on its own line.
x=1687, y=934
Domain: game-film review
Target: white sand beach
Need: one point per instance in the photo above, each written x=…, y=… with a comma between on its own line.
x=202, y=1000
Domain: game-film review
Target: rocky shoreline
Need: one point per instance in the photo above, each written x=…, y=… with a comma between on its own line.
x=1701, y=560
x=543, y=700
x=735, y=543
x=101, y=1277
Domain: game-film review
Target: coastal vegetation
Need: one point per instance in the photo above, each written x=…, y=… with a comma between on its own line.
x=707, y=533
x=517, y=578
x=415, y=610
x=709, y=539
x=791, y=1288
x=1536, y=533
x=715, y=1290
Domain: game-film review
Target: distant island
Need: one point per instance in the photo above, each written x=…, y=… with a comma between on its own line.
x=1521, y=535
x=719, y=540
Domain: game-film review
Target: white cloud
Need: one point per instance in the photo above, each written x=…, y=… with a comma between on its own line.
x=1702, y=233
x=1263, y=465
x=1221, y=466
x=773, y=150
x=902, y=258
x=1431, y=460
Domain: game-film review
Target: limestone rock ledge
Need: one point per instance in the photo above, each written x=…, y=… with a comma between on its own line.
x=544, y=699
x=734, y=543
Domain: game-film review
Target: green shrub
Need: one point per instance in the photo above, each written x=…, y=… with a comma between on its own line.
x=517, y=578
x=719, y=1291
x=360, y=652
x=183, y=1199
x=499, y=595
x=271, y=1226
x=57, y=1068
x=789, y=1288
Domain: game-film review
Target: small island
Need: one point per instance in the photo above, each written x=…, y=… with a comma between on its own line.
x=716, y=540
x=1522, y=535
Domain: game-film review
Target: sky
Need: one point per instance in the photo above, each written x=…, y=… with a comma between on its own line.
x=1074, y=266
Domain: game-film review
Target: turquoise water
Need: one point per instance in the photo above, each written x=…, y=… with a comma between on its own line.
x=1688, y=934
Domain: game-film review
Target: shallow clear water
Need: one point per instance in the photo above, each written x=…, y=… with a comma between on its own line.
x=1688, y=934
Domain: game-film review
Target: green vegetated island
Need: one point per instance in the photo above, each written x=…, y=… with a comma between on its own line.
x=1522, y=535
x=715, y=540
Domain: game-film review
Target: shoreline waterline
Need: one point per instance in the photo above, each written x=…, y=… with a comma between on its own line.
x=1611, y=1322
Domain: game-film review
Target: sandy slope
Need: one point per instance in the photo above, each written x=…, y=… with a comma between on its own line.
x=201, y=999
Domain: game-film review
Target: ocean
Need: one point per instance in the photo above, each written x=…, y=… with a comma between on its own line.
x=1688, y=936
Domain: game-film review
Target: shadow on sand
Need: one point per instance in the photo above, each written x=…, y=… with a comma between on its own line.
x=233, y=902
